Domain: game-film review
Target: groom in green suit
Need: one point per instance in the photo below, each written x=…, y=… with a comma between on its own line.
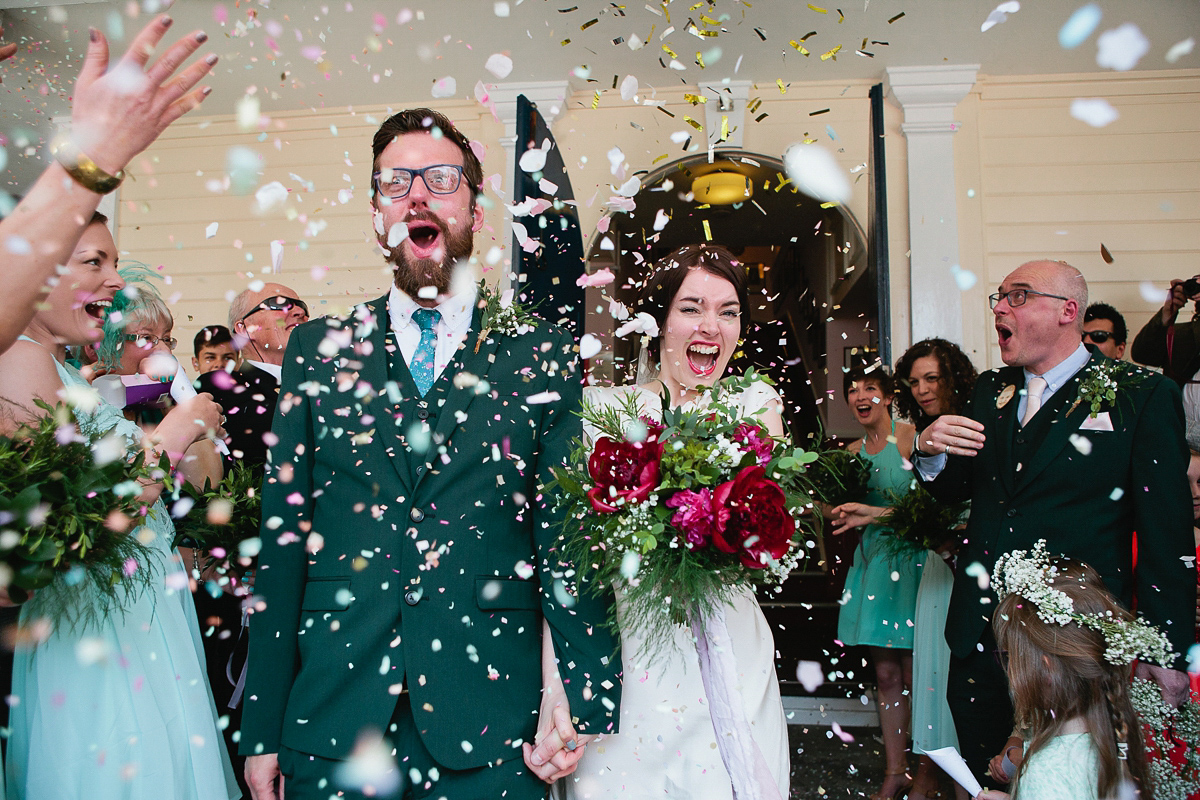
x=409, y=593
x=1037, y=463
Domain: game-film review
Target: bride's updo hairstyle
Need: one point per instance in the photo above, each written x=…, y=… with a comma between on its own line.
x=663, y=284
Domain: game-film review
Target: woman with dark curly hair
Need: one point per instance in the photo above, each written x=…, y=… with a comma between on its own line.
x=935, y=378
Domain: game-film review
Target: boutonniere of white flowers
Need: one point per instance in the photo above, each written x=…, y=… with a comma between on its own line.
x=501, y=313
x=1102, y=381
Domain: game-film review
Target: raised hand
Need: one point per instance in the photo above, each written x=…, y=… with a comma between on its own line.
x=117, y=114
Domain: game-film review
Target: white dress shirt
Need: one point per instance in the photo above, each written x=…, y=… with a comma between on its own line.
x=451, y=329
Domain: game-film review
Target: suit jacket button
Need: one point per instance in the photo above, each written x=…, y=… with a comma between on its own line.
x=1020, y=440
x=1012, y=512
x=412, y=597
x=423, y=413
x=416, y=515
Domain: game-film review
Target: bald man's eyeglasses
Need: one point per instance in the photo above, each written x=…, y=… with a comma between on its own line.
x=278, y=303
x=1017, y=297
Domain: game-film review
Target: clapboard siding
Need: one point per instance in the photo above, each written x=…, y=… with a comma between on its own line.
x=1049, y=186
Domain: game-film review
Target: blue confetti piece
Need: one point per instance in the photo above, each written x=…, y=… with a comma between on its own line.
x=1079, y=27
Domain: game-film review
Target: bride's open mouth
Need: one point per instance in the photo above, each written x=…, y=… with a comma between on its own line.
x=702, y=357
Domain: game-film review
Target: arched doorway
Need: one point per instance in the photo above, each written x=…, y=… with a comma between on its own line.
x=813, y=308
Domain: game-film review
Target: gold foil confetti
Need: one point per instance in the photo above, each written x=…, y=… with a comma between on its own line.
x=782, y=88
x=831, y=54
x=588, y=24
x=694, y=99
x=817, y=9
x=707, y=232
x=669, y=51
x=693, y=123
x=595, y=100
x=799, y=47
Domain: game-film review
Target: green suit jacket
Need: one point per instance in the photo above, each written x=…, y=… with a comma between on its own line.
x=407, y=543
x=1084, y=491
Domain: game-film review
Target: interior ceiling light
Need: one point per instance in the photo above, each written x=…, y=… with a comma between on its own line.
x=722, y=188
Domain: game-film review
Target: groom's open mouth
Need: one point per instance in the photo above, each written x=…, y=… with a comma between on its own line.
x=702, y=357
x=425, y=239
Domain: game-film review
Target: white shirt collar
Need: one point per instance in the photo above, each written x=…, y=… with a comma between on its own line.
x=1062, y=372
x=456, y=310
x=274, y=370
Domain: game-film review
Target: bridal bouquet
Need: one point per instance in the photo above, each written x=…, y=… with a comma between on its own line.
x=67, y=506
x=918, y=522
x=682, y=512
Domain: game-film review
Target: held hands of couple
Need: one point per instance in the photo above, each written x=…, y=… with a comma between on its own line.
x=557, y=747
x=263, y=777
x=952, y=435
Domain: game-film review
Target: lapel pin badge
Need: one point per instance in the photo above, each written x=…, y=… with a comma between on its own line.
x=1005, y=395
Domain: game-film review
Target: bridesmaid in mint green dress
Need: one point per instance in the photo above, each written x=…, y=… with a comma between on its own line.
x=120, y=707
x=880, y=595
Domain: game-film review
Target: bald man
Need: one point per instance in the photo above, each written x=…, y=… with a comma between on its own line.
x=1037, y=464
x=262, y=322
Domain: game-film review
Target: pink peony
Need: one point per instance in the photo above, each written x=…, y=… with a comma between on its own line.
x=754, y=439
x=695, y=516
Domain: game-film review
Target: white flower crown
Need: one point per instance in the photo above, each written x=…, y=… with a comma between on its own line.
x=1029, y=573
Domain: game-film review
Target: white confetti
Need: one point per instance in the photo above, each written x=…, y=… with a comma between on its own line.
x=589, y=346
x=980, y=574
x=1079, y=27
x=248, y=112
x=542, y=398
x=91, y=650
x=1116, y=494
x=445, y=87
x=370, y=768
x=661, y=219
x=211, y=230
x=1095, y=111
x=964, y=278
x=397, y=233
x=1000, y=14
x=17, y=245
x=643, y=323
x=499, y=65
x=629, y=87
x=1152, y=294
x=814, y=171
x=270, y=196
x=615, y=159
x=1177, y=51
x=532, y=160
x=630, y=187
x=500, y=9
x=810, y=675
x=631, y=562
x=1121, y=48
x=1082, y=444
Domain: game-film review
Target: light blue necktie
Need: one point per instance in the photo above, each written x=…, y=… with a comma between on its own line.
x=422, y=360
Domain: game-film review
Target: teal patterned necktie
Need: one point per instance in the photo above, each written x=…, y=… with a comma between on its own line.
x=422, y=360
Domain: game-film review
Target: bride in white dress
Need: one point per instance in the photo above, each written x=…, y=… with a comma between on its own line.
x=666, y=745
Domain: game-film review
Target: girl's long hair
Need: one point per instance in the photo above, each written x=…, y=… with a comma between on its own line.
x=1058, y=673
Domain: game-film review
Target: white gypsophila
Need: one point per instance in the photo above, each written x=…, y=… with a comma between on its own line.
x=1029, y=573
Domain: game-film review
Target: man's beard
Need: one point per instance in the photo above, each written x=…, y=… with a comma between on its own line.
x=413, y=274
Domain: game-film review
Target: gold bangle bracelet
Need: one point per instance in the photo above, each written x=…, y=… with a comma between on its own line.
x=82, y=169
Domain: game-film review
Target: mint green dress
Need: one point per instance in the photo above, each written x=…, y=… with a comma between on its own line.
x=120, y=709
x=1067, y=767
x=880, y=597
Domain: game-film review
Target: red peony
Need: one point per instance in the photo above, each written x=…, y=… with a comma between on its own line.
x=624, y=472
x=752, y=518
x=754, y=439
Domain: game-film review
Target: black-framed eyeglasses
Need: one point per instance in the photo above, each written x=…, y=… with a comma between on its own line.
x=1099, y=337
x=277, y=303
x=146, y=341
x=395, y=182
x=1017, y=297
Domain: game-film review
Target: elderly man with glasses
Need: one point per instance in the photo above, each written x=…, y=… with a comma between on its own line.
x=1039, y=461
x=261, y=321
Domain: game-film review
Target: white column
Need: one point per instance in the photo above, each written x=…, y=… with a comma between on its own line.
x=549, y=97
x=929, y=96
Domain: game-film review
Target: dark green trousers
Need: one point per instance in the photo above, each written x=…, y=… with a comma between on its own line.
x=416, y=777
